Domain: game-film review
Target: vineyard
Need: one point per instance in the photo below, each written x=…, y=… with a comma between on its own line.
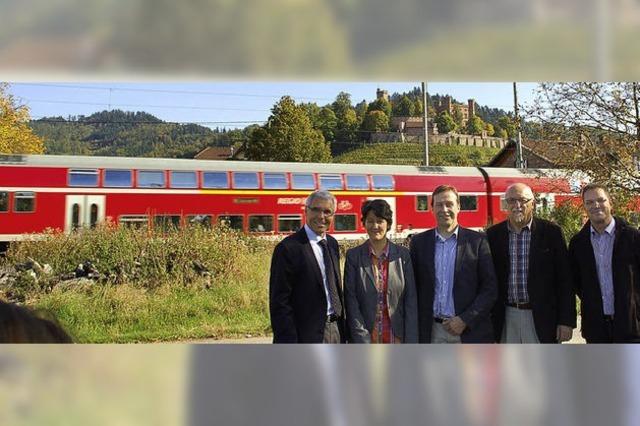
x=412, y=155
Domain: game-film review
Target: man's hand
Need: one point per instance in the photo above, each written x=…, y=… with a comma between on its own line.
x=454, y=326
x=563, y=333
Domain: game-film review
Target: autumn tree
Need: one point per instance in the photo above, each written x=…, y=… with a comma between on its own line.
x=288, y=136
x=16, y=137
x=599, y=126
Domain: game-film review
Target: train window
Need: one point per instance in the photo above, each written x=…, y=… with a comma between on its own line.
x=151, y=179
x=166, y=222
x=382, y=182
x=302, y=181
x=93, y=215
x=357, y=182
x=345, y=222
x=468, y=202
x=331, y=182
x=422, y=203
x=232, y=221
x=244, y=180
x=203, y=220
x=75, y=216
x=274, y=181
x=134, y=221
x=289, y=223
x=24, y=202
x=4, y=201
x=118, y=178
x=260, y=223
x=183, y=179
x=215, y=180
x=83, y=177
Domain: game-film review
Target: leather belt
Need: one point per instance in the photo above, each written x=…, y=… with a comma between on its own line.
x=332, y=318
x=519, y=305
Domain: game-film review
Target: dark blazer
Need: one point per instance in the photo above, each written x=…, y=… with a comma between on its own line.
x=297, y=300
x=361, y=295
x=474, y=284
x=549, y=282
x=625, y=266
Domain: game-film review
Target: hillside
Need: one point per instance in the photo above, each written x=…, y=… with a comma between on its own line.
x=411, y=154
x=134, y=134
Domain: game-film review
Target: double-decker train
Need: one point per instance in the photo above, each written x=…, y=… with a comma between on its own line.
x=38, y=192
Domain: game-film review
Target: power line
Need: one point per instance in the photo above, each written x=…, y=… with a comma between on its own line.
x=145, y=106
x=63, y=121
x=184, y=92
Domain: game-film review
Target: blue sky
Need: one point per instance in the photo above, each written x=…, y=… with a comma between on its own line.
x=230, y=104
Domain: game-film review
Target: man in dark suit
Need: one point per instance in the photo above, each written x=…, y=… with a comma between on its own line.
x=305, y=289
x=536, y=303
x=455, y=279
x=605, y=260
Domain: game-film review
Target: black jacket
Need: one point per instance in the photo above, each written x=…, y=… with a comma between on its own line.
x=625, y=266
x=297, y=300
x=549, y=282
x=474, y=284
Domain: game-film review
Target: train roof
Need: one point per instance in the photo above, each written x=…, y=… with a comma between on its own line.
x=70, y=161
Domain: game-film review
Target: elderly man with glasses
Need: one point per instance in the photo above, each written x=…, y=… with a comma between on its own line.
x=536, y=303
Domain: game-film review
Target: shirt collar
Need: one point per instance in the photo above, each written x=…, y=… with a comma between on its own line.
x=385, y=251
x=527, y=226
x=609, y=229
x=313, y=237
x=455, y=234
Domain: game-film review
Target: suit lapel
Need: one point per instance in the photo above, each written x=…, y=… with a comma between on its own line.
x=430, y=252
x=365, y=261
x=534, y=248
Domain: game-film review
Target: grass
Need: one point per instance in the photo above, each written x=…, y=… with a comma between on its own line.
x=149, y=290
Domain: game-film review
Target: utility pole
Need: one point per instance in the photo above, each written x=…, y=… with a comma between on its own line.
x=519, y=159
x=426, y=127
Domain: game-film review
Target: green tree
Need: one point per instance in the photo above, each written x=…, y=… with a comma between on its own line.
x=380, y=104
x=509, y=125
x=475, y=125
x=361, y=110
x=348, y=123
x=488, y=127
x=457, y=117
x=417, y=108
x=445, y=123
x=375, y=121
x=404, y=107
x=288, y=136
x=328, y=124
x=16, y=137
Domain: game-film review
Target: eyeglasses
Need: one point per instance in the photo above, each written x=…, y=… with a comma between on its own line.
x=514, y=201
x=318, y=210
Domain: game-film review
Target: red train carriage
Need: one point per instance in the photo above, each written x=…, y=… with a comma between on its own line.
x=66, y=192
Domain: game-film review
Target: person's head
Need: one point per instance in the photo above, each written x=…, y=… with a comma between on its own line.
x=377, y=218
x=597, y=203
x=320, y=208
x=21, y=325
x=520, y=204
x=445, y=203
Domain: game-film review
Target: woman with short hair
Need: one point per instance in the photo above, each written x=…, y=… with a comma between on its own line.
x=380, y=291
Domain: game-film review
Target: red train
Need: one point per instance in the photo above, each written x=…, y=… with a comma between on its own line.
x=66, y=192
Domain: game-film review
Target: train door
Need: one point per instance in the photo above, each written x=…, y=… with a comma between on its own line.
x=392, y=203
x=83, y=211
